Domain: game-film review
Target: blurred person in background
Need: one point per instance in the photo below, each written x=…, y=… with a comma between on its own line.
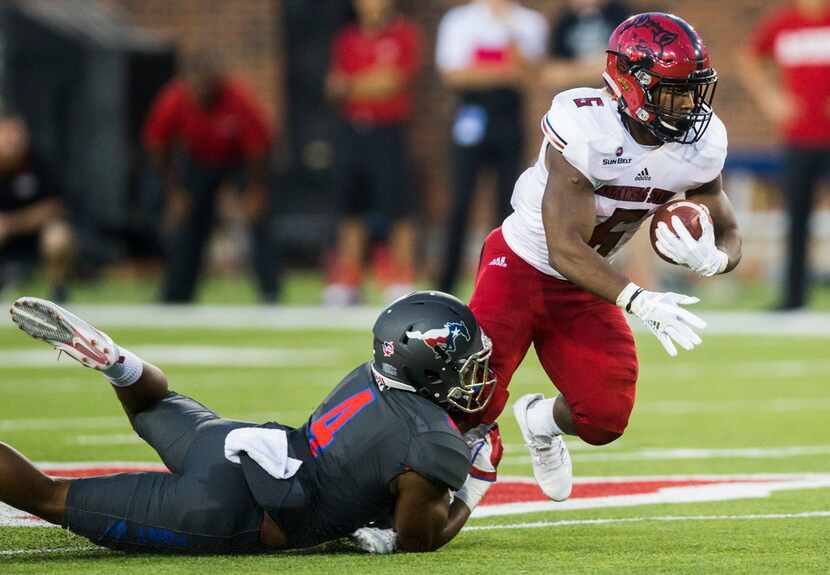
x=578, y=40
x=204, y=130
x=32, y=225
x=374, y=64
x=483, y=51
x=795, y=39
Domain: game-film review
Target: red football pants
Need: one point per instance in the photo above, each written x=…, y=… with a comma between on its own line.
x=583, y=342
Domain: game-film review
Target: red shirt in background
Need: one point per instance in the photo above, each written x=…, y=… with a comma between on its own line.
x=232, y=129
x=800, y=47
x=398, y=45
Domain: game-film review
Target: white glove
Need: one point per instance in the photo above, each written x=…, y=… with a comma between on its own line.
x=374, y=540
x=663, y=316
x=701, y=256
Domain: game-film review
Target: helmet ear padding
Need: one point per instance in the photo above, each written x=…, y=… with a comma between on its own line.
x=623, y=63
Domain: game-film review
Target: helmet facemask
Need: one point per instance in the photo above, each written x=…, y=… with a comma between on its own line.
x=671, y=123
x=658, y=68
x=476, y=382
x=430, y=343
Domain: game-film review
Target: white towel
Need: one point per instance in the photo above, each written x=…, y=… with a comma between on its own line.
x=268, y=447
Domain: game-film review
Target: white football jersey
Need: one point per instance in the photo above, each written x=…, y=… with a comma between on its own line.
x=630, y=180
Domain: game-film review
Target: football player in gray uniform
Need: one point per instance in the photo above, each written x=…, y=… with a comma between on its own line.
x=381, y=450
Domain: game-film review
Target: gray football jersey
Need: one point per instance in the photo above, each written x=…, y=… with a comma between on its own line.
x=359, y=439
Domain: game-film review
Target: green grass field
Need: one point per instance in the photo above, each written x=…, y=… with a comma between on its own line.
x=766, y=398
x=305, y=288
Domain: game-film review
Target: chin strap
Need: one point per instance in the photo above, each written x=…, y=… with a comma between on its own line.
x=384, y=382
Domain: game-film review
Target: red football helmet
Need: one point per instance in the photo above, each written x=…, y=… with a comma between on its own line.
x=654, y=53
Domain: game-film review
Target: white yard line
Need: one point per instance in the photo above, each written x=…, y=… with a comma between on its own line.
x=718, y=490
x=63, y=423
x=120, y=422
x=663, y=518
x=816, y=366
x=618, y=491
x=105, y=439
x=731, y=406
x=669, y=454
x=758, y=368
x=48, y=551
x=226, y=317
x=771, y=477
x=362, y=318
x=530, y=525
x=166, y=355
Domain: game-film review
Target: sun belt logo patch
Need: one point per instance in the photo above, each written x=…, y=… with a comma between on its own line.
x=442, y=340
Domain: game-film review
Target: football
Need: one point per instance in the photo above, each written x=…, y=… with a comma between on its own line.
x=688, y=212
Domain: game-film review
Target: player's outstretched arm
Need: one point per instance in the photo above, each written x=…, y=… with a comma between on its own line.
x=424, y=518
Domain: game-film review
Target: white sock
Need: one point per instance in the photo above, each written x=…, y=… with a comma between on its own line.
x=540, y=418
x=126, y=371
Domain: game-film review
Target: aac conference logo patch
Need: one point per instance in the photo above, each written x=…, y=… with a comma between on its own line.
x=521, y=495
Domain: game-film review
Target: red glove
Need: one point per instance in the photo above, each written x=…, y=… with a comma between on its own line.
x=486, y=450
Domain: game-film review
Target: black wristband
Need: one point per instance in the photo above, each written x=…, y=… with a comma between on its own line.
x=633, y=297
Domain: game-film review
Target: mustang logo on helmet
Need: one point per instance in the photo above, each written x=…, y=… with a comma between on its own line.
x=442, y=340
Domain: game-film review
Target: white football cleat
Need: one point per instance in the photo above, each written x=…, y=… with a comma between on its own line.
x=65, y=331
x=552, y=465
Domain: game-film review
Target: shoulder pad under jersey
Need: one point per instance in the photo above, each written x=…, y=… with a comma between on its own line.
x=706, y=157
x=584, y=125
x=441, y=457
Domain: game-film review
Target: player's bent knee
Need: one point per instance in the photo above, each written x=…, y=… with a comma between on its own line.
x=603, y=422
x=596, y=435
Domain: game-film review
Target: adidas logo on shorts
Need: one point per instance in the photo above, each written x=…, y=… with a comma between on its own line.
x=500, y=261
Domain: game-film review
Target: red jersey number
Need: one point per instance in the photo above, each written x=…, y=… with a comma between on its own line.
x=607, y=235
x=583, y=102
x=323, y=429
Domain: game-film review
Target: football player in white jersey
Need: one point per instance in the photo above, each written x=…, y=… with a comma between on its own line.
x=609, y=158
